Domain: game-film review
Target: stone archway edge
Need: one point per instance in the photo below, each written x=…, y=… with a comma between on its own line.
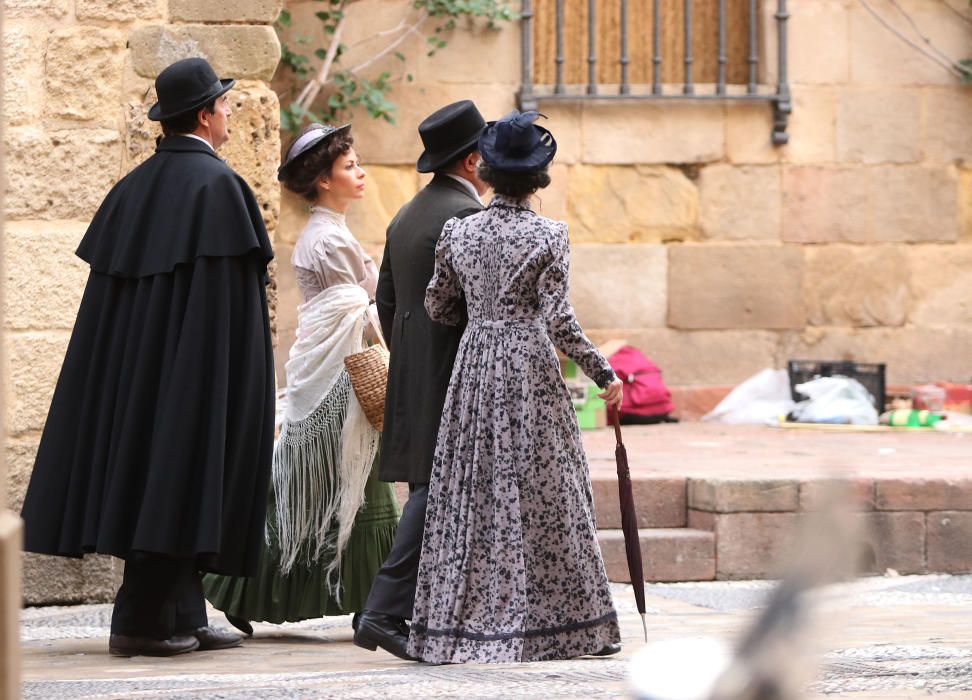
x=10, y=538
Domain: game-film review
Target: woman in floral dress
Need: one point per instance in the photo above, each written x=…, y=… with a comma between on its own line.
x=511, y=569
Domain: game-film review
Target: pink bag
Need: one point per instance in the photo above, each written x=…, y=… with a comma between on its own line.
x=646, y=398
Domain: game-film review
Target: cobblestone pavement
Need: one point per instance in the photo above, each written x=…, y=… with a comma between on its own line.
x=882, y=637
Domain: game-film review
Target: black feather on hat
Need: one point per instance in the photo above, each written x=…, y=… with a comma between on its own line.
x=515, y=144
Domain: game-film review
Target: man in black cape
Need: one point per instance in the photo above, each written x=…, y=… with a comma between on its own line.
x=158, y=442
x=422, y=355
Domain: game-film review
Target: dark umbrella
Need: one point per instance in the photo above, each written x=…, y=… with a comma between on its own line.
x=629, y=523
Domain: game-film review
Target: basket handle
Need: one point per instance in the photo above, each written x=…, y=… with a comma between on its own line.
x=371, y=312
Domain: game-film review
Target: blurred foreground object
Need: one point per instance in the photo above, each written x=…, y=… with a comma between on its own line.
x=678, y=669
x=777, y=657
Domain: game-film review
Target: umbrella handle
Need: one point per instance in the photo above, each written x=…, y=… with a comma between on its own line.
x=616, y=413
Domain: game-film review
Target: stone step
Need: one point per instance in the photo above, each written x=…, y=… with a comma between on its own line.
x=668, y=554
x=659, y=501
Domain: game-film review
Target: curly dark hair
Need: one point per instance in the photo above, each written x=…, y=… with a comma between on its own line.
x=516, y=185
x=301, y=176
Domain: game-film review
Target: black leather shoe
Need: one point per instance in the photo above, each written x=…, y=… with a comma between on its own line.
x=211, y=638
x=354, y=621
x=608, y=650
x=239, y=623
x=122, y=645
x=378, y=630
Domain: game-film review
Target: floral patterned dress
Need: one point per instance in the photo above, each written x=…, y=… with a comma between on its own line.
x=511, y=569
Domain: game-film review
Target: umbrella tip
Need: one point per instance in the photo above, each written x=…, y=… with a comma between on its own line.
x=644, y=625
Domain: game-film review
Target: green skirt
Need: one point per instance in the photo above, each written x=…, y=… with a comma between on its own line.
x=302, y=594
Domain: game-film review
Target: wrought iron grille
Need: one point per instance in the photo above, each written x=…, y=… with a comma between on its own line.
x=726, y=80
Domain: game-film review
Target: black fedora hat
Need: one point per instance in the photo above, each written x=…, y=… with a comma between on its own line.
x=448, y=132
x=515, y=144
x=184, y=86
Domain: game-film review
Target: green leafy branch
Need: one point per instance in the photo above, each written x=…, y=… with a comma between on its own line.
x=918, y=40
x=965, y=63
x=326, y=92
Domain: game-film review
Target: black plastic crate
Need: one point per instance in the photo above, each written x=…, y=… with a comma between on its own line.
x=871, y=375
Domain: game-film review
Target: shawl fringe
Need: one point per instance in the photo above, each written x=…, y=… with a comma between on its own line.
x=304, y=483
x=322, y=460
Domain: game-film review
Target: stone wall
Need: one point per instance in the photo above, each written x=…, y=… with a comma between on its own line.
x=79, y=80
x=713, y=251
x=10, y=538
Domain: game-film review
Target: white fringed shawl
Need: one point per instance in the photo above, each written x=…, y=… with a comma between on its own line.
x=326, y=448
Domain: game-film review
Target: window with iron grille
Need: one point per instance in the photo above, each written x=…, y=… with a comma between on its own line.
x=653, y=50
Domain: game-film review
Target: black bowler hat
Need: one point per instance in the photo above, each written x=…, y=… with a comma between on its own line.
x=515, y=144
x=447, y=133
x=186, y=85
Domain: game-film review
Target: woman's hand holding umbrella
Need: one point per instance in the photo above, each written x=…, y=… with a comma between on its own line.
x=613, y=393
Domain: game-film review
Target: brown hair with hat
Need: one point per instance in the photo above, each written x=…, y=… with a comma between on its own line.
x=186, y=122
x=311, y=155
x=516, y=153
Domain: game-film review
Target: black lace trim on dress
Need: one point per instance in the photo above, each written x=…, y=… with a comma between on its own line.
x=501, y=200
x=501, y=636
x=504, y=205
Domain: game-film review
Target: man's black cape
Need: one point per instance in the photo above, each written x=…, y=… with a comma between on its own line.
x=160, y=433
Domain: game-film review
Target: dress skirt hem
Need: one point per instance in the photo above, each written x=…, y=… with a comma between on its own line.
x=563, y=641
x=303, y=592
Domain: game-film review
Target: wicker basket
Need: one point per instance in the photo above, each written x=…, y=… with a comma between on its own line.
x=368, y=370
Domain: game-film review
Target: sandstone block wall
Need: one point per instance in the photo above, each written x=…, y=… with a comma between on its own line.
x=79, y=79
x=715, y=252
x=10, y=539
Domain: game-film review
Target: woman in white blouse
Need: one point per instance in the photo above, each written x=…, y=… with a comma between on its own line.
x=330, y=522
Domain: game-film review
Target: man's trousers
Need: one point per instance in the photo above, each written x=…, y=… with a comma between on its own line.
x=393, y=590
x=159, y=598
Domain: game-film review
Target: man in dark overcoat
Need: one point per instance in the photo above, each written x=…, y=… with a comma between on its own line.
x=158, y=442
x=422, y=354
